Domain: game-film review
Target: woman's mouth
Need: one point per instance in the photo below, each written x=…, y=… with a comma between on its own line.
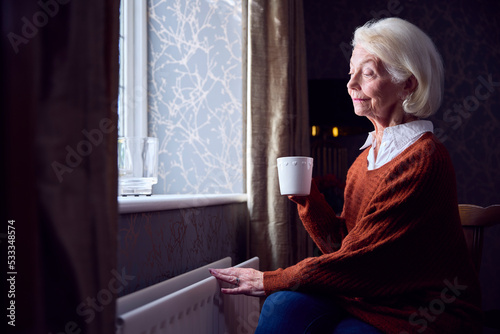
x=359, y=100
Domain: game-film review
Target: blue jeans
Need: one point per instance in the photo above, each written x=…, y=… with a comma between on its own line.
x=295, y=312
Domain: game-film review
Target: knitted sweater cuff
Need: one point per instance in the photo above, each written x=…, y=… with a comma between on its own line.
x=273, y=281
x=282, y=279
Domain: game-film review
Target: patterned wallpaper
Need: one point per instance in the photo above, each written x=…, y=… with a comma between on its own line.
x=195, y=92
x=155, y=246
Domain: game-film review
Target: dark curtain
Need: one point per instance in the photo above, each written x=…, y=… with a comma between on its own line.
x=59, y=86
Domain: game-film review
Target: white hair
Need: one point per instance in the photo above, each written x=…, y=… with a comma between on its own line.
x=405, y=50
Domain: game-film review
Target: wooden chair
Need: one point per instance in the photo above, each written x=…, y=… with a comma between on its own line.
x=474, y=221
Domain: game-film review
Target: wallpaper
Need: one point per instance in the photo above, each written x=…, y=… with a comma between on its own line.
x=194, y=95
x=155, y=246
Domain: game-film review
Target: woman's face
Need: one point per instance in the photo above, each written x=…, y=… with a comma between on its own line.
x=374, y=94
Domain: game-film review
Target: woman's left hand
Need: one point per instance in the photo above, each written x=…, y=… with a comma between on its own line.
x=247, y=281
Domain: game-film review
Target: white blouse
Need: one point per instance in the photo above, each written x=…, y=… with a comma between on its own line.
x=394, y=141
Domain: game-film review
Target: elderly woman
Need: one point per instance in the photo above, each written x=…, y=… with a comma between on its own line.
x=396, y=260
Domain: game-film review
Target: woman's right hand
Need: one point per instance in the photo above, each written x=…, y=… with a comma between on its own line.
x=301, y=200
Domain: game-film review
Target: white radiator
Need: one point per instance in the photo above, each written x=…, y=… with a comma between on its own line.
x=190, y=303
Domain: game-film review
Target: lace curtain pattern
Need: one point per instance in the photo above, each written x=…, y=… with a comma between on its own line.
x=194, y=95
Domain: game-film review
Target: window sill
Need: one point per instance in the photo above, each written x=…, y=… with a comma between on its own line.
x=132, y=204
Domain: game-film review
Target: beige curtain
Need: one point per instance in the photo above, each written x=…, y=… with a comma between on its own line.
x=276, y=125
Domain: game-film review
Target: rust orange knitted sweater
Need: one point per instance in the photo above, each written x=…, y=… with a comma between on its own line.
x=396, y=258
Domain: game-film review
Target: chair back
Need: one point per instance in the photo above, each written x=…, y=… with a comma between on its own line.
x=474, y=219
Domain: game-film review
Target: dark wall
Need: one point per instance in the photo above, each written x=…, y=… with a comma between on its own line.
x=155, y=246
x=467, y=34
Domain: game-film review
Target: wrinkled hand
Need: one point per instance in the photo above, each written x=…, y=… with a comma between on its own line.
x=247, y=281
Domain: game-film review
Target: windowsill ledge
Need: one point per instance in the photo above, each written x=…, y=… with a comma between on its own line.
x=133, y=204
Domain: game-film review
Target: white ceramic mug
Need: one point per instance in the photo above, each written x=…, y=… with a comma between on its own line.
x=295, y=174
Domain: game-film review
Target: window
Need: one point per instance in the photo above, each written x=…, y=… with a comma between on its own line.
x=132, y=106
x=181, y=82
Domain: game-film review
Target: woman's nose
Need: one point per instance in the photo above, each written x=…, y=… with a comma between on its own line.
x=353, y=82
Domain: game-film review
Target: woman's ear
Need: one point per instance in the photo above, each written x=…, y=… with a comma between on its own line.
x=410, y=85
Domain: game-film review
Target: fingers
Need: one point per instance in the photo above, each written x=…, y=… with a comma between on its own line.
x=233, y=291
x=243, y=290
x=225, y=276
x=245, y=280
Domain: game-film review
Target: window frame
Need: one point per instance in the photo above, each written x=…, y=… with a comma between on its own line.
x=133, y=97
